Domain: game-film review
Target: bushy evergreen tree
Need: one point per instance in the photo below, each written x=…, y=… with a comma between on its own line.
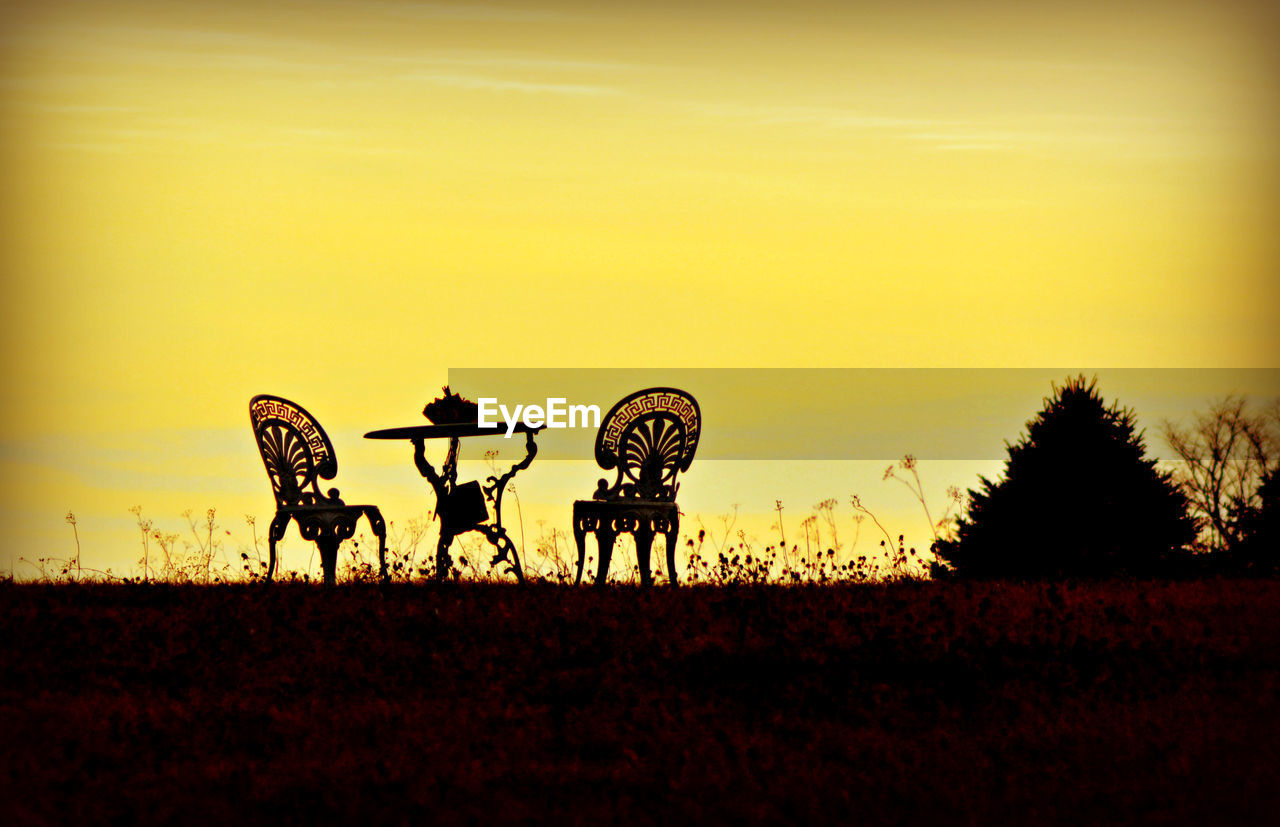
x=1259, y=549
x=1079, y=498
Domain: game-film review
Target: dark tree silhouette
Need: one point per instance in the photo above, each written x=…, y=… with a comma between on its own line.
x=1259, y=546
x=1079, y=498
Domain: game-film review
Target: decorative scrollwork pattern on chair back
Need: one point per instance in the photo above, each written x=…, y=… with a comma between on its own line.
x=649, y=436
x=295, y=449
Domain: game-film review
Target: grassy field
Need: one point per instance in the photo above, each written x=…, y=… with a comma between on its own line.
x=921, y=703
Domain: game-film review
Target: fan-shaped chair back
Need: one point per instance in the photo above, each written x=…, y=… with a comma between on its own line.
x=295, y=449
x=649, y=437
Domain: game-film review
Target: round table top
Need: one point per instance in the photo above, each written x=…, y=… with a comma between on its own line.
x=455, y=429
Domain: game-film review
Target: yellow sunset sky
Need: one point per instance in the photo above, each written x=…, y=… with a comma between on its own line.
x=338, y=202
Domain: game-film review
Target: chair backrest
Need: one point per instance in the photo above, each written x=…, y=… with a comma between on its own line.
x=649, y=436
x=296, y=451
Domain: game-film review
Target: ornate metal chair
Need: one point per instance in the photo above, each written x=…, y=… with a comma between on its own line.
x=298, y=453
x=649, y=436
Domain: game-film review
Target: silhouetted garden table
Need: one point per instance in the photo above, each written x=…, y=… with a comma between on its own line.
x=461, y=507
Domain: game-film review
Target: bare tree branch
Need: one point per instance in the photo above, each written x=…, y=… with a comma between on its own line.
x=1224, y=455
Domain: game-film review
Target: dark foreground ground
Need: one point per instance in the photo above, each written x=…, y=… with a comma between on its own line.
x=920, y=703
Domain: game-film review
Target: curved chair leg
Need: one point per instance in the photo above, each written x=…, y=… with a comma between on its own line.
x=379, y=526
x=275, y=533
x=644, y=544
x=672, y=534
x=580, y=537
x=604, y=538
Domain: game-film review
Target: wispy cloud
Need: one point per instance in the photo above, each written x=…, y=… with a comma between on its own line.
x=811, y=115
x=1039, y=133
x=973, y=146
x=504, y=85
x=93, y=148
x=155, y=131
x=230, y=53
x=465, y=11
x=504, y=60
x=83, y=109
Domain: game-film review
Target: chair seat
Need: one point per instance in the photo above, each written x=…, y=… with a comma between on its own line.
x=305, y=509
x=614, y=505
x=624, y=513
x=329, y=514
